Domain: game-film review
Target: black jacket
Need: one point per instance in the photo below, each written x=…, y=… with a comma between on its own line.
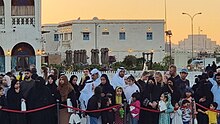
x=94, y=103
x=39, y=96
x=3, y=115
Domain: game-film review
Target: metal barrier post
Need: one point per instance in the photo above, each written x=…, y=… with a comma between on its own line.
x=58, y=111
x=193, y=116
x=125, y=113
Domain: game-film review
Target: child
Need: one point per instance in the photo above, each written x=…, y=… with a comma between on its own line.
x=189, y=96
x=162, y=105
x=130, y=88
x=119, y=100
x=211, y=114
x=107, y=116
x=135, y=107
x=165, y=108
x=176, y=116
x=186, y=112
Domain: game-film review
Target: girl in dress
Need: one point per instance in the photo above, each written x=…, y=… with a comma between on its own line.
x=176, y=116
x=119, y=99
x=135, y=108
x=166, y=108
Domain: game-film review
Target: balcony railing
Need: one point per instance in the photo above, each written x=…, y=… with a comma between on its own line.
x=23, y=20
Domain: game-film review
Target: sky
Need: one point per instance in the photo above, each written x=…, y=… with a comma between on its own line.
x=55, y=11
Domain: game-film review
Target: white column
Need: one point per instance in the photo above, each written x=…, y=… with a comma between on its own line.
x=37, y=14
x=38, y=64
x=8, y=20
x=7, y=63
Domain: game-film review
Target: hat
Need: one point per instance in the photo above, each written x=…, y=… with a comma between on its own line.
x=189, y=90
x=122, y=68
x=126, y=76
x=131, y=77
x=94, y=71
x=184, y=70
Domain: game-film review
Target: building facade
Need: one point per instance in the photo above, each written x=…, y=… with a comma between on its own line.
x=121, y=37
x=201, y=43
x=20, y=34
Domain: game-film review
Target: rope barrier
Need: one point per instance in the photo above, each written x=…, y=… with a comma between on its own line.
x=91, y=111
x=157, y=111
x=207, y=108
x=28, y=111
x=146, y=109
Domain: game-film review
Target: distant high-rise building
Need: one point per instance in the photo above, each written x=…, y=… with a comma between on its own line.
x=200, y=43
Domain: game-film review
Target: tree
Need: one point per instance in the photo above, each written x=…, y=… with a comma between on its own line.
x=166, y=61
x=112, y=59
x=116, y=65
x=130, y=61
x=159, y=67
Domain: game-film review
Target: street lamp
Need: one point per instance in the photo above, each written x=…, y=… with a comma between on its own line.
x=169, y=34
x=192, y=17
x=96, y=43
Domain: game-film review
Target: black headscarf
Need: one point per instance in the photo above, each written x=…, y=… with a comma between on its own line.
x=39, y=95
x=14, y=98
x=107, y=87
x=106, y=77
x=53, y=86
x=40, y=82
x=175, y=94
x=75, y=86
x=13, y=82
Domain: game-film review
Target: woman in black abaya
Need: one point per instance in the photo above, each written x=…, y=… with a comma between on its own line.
x=39, y=96
x=14, y=97
x=51, y=85
x=150, y=97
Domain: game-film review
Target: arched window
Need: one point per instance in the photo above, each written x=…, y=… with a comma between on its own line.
x=1, y=8
x=22, y=7
x=23, y=55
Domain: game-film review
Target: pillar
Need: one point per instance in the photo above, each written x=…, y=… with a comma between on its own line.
x=38, y=63
x=7, y=63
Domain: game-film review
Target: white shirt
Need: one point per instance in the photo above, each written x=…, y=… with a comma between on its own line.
x=118, y=81
x=162, y=105
x=129, y=90
x=87, y=91
x=176, y=117
x=216, y=92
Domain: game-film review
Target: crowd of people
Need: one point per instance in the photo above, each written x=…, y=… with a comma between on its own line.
x=168, y=96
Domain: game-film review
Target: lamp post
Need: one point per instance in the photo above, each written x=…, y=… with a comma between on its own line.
x=165, y=13
x=169, y=34
x=96, y=42
x=192, y=17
